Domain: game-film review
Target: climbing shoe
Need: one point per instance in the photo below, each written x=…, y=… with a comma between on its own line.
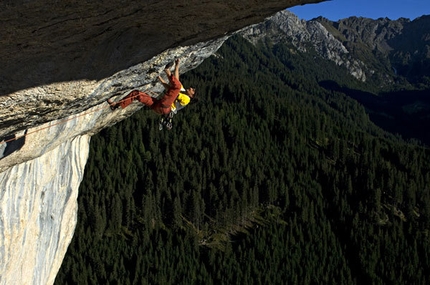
x=112, y=104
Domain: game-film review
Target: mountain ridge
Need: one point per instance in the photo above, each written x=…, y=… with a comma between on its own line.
x=381, y=50
x=389, y=63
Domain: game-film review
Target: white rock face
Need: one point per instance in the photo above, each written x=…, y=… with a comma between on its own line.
x=38, y=203
x=39, y=180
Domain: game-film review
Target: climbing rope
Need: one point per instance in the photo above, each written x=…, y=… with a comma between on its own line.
x=72, y=118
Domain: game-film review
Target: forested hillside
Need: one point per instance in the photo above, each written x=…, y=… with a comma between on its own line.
x=269, y=179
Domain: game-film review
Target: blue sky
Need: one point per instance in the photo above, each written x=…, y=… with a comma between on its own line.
x=374, y=9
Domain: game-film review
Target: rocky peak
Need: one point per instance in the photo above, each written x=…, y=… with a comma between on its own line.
x=286, y=27
x=373, y=33
x=403, y=43
x=360, y=44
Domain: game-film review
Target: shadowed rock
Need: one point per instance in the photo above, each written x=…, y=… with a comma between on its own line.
x=46, y=41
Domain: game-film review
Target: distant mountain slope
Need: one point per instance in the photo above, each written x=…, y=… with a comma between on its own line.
x=403, y=45
x=389, y=63
x=382, y=52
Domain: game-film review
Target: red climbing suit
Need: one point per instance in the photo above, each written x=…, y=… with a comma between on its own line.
x=160, y=106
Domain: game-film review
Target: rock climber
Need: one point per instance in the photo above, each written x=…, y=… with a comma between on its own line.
x=175, y=98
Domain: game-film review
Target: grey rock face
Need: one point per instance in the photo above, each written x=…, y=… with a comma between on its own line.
x=285, y=26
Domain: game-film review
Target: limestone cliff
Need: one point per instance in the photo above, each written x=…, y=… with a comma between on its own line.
x=60, y=61
x=38, y=213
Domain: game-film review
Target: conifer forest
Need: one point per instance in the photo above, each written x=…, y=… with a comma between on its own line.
x=272, y=177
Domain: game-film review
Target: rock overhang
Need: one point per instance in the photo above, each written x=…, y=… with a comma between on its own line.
x=43, y=43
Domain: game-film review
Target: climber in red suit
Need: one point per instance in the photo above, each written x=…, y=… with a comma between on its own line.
x=164, y=105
